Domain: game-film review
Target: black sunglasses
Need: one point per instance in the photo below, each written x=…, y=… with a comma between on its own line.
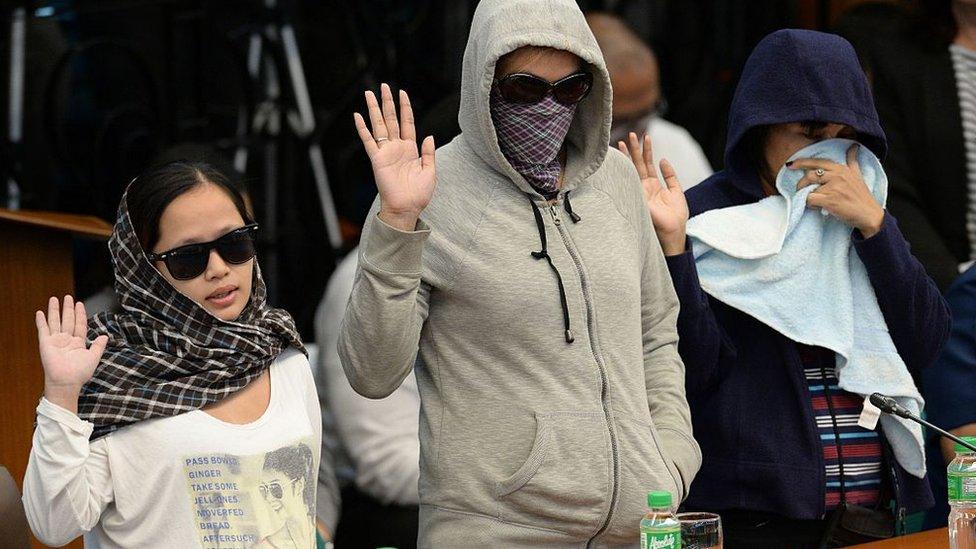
x=527, y=88
x=191, y=261
x=274, y=489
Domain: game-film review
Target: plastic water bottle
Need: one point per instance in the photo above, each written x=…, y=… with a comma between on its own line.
x=660, y=529
x=962, y=497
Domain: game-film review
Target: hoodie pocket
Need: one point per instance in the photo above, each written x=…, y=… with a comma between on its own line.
x=564, y=482
x=643, y=468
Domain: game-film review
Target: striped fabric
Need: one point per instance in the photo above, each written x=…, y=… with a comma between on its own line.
x=859, y=447
x=964, y=63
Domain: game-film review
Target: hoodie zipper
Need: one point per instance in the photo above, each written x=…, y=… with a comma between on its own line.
x=605, y=382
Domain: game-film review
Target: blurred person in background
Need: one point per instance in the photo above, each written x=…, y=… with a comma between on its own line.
x=638, y=105
x=376, y=442
x=922, y=62
x=921, y=58
x=949, y=387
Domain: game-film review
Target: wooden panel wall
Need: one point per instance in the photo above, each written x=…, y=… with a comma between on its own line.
x=35, y=263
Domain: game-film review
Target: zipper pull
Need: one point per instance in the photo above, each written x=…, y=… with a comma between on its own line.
x=555, y=216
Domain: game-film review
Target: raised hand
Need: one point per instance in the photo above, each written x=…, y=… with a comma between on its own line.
x=68, y=362
x=404, y=178
x=666, y=203
x=842, y=191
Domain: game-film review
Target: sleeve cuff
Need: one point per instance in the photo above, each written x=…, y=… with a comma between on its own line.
x=684, y=277
x=52, y=411
x=884, y=249
x=394, y=251
x=886, y=223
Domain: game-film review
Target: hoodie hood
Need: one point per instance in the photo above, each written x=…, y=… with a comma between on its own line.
x=502, y=26
x=796, y=76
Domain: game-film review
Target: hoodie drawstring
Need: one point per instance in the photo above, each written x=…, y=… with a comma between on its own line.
x=544, y=254
x=569, y=209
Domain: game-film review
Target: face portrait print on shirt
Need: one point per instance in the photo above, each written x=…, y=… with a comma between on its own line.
x=287, y=490
x=256, y=501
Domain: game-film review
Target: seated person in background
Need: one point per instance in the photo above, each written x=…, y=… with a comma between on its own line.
x=774, y=408
x=192, y=414
x=949, y=387
x=637, y=101
x=923, y=68
x=376, y=442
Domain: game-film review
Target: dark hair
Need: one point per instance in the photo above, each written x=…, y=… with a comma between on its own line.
x=754, y=143
x=295, y=462
x=150, y=194
x=199, y=152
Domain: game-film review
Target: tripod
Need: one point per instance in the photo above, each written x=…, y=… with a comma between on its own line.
x=273, y=48
x=15, y=103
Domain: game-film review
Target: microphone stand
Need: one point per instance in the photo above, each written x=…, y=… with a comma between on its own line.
x=888, y=405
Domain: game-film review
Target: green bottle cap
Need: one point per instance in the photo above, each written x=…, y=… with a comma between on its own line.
x=659, y=499
x=962, y=449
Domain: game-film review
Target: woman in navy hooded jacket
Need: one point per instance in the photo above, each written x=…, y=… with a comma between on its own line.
x=761, y=403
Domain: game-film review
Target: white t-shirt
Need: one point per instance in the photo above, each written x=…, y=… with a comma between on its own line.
x=673, y=142
x=186, y=481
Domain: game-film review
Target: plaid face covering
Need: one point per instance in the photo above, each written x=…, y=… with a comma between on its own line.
x=530, y=136
x=166, y=354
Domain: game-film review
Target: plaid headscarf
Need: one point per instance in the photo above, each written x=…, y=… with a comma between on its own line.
x=530, y=136
x=166, y=354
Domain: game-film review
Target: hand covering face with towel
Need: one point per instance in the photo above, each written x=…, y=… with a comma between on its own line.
x=776, y=260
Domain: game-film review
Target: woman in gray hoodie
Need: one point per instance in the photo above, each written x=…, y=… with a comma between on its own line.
x=535, y=290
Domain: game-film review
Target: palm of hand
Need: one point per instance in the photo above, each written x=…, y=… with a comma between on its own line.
x=668, y=207
x=67, y=360
x=401, y=179
x=666, y=203
x=405, y=179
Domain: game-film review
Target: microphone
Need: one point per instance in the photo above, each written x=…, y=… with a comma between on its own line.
x=889, y=405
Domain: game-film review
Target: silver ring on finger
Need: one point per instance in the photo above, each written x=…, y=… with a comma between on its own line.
x=381, y=139
x=820, y=173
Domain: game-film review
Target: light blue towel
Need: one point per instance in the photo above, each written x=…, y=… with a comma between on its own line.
x=796, y=270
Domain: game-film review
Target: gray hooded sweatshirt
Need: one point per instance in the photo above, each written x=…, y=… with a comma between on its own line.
x=527, y=440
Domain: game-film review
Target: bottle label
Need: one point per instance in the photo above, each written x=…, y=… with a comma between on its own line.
x=661, y=540
x=962, y=487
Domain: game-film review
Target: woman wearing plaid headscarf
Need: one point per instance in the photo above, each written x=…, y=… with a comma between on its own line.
x=156, y=423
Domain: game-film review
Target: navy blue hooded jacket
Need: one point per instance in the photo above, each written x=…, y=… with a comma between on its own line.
x=750, y=404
